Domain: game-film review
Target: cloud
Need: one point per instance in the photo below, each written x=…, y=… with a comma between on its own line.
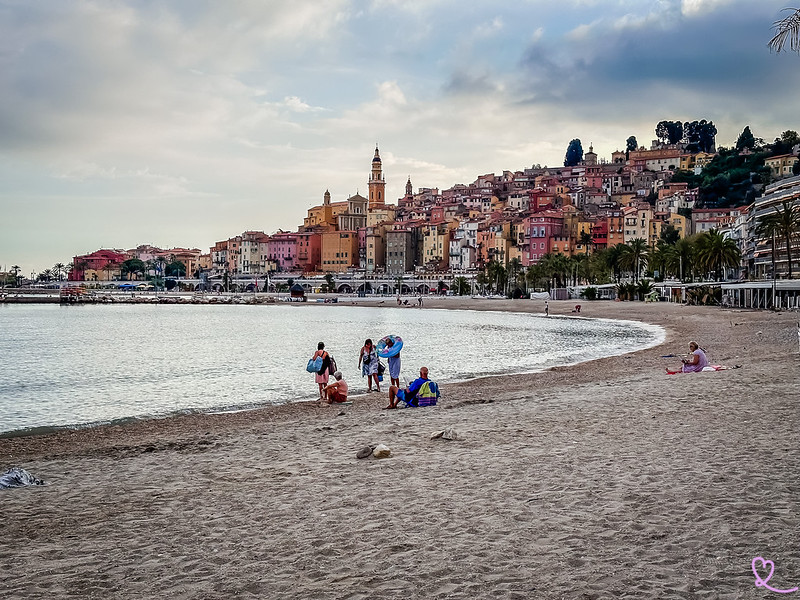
x=699, y=7
x=190, y=122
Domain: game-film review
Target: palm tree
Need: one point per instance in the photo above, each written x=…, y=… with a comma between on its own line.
x=613, y=258
x=787, y=226
x=598, y=269
x=461, y=286
x=514, y=267
x=586, y=239
x=659, y=258
x=535, y=275
x=767, y=228
x=715, y=252
x=15, y=271
x=58, y=270
x=634, y=256
x=787, y=30
x=496, y=274
x=556, y=268
x=579, y=267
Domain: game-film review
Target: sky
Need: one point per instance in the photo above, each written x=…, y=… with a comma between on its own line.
x=181, y=123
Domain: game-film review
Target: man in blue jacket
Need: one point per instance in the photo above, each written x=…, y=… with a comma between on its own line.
x=421, y=392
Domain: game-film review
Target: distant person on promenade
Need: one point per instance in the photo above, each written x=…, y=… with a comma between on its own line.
x=420, y=301
x=336, y=391
x=368, y=363
x=322, y=375
x=394, y=365
x=421, y=392
x=695, y=363
x=546, y=309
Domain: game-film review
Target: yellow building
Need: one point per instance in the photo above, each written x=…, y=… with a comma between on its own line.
x=326, y=214
x=339, y=251
x=436, y=246
x=781, y=166
x=662, y=220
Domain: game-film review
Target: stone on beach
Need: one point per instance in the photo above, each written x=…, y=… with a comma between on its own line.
x=382, y=451
x=445, y=434
x=365, y=452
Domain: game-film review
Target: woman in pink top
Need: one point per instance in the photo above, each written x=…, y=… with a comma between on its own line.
x=695, y=363
x=322, y=378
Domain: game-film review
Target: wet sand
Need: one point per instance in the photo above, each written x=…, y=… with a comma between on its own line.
x=608, y=479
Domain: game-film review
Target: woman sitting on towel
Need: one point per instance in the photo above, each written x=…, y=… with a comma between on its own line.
x=695, y=363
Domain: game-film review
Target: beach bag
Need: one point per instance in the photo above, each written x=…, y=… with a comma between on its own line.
x=314, y=365
x=381, y=369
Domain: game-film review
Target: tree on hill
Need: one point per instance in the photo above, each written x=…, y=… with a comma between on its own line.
x=700, y=136
x=670, y=132
x=746, y=139
x=574, y=153
x=785, y=143
x=630, y=145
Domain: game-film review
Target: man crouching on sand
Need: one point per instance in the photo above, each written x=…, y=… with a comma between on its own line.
x=421, y=392
x=336, y=391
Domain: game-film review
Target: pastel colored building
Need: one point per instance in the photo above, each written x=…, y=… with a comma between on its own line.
x=100, y=265
x=540, y=231
x=283, y=250
x=339, y=251
x=309, y=248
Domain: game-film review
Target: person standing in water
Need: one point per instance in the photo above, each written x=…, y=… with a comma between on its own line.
x=368, y=363
x=394, y=364
x=322, y=376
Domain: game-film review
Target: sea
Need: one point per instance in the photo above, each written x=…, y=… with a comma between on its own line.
x=86, y=365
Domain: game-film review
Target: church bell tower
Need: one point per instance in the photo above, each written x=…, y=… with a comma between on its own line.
x=377, y=185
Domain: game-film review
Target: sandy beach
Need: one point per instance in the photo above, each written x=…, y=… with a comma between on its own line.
x=608, y=479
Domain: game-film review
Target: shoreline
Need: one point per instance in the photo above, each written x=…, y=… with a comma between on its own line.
x=654, y=335
x=608, y=478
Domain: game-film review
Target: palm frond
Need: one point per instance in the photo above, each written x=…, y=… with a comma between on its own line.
x=787, y=31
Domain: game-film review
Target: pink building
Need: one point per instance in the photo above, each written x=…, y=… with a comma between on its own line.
x=283, y=250
x=309, y=250
x=540, y=231
x=96, y=261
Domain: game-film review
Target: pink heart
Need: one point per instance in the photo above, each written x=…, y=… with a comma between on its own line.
x=764, y=563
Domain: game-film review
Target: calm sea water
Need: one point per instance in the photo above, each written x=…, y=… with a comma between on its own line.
x=77, y=365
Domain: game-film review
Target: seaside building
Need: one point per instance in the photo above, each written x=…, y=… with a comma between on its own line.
x=100, y=265
x=775, y=194
x=339, y=251
x=309, y=249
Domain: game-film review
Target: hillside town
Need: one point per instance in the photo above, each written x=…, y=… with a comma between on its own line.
x=596, y=221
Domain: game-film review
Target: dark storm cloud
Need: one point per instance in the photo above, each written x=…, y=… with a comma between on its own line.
x=719, y=53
